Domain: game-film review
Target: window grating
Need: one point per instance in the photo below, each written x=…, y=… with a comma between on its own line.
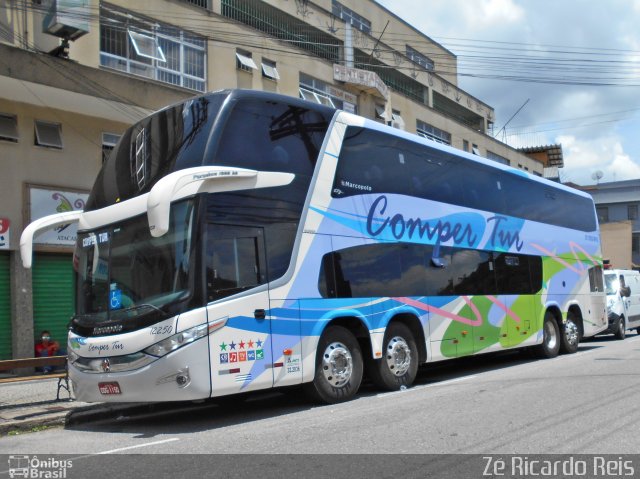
x=278, y=24
x=150, y=49
x=199, y=3
x=417, y=57
x=495, y=157
x=426, y=130
x=348, y=15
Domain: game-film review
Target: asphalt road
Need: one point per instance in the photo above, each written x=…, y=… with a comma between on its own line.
x=588, y=402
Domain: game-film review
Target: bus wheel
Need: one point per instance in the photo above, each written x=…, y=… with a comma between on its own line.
x=399, y=364
x=551, y=338
x=338, y=367
x=621, y=332
x=570, y=336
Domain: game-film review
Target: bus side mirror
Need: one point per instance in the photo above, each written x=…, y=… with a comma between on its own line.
x=203, y=179
x=438, y=262
x=38, y=226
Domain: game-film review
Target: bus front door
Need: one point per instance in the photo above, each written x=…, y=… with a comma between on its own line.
x=241, y=350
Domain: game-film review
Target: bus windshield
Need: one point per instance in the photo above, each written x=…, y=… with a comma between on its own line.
x=124, y=272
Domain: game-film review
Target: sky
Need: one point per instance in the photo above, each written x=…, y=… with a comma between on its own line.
x=573, y=64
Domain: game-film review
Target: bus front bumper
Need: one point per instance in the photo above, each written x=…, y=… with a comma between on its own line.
x=182, y=375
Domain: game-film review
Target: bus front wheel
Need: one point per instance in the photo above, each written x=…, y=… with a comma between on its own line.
x=550, y=338
x=570, y=335
x=399, y=363
x=338, y=367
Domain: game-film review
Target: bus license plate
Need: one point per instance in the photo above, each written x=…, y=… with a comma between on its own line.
x=109, y=388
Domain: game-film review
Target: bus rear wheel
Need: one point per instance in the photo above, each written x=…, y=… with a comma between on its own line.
x=570, y=335
x=550, y=338
x=399, y=364
x=338, y=367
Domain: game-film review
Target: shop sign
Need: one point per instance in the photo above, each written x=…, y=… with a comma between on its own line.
x=45, y=202
x=364, y=78
x=5, y=233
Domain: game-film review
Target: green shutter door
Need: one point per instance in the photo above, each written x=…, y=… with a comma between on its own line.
x=53, y=295
x=5, y=308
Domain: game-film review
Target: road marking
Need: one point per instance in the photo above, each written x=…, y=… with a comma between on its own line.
x=138, y=445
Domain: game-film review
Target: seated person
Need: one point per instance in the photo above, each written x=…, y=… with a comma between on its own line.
x=46, y=347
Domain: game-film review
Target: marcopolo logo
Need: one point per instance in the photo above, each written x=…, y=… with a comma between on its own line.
x=34, y=467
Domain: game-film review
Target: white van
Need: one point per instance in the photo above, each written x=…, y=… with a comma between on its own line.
x=623, y=301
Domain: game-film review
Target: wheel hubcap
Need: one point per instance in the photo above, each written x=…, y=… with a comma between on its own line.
x=571, y=332
x=550, y=336
x=337, y=364
x=398, y=356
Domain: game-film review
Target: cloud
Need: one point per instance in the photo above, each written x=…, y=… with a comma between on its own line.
x=568, y=41
x=582, y=158
x=489, y=13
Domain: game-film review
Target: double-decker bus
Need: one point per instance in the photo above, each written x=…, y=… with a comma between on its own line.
x=245, y=240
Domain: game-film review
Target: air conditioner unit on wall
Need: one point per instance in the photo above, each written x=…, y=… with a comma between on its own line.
x=68, y=19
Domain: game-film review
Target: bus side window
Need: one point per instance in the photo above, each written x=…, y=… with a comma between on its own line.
x=596, y=279
x=512, y=273
x=327, y=279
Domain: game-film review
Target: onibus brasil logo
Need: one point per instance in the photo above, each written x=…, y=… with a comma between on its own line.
x=33, y=467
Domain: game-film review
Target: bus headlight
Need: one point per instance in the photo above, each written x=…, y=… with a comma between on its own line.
x=72, y=357
x=176, y=341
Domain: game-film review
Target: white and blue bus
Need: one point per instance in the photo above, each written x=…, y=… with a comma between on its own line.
x=245, y=240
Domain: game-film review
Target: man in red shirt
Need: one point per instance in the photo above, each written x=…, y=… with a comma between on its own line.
x=46, y=347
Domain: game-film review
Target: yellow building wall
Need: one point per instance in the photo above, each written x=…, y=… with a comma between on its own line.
x=75, y=166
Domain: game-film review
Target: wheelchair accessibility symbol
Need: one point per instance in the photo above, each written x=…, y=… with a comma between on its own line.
x=115, y=299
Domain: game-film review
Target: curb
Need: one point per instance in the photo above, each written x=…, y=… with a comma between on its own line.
x=72, y=416
x=31, y=418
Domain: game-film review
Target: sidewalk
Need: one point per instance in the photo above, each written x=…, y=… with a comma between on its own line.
x=27, y=406
x=32, y=404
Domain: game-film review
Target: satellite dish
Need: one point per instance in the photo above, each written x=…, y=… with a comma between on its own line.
x=597, y=175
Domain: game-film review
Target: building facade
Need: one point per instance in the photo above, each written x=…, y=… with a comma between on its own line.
x=74, y=74
x=617, y=204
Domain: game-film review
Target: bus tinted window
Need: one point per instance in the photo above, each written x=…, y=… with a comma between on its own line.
x=512, y=272
x=469, y=273
x=375, y=162
x=171, y=139
x=401, y=269
x=268, y=136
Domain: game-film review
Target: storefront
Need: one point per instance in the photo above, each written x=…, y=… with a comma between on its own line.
x=53, y=280
x=5, y=307
x=53, y=295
